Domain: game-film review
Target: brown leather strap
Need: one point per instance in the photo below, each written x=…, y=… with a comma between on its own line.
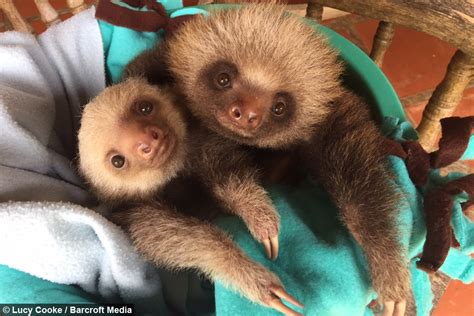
x=153, y=20
x=437, y=208
x=438, y=205
x=143, y=21
x=465, y=184
x=456, y=136
x=453, y=144
x=417, y=161
x=149, y=4
x=394, y=148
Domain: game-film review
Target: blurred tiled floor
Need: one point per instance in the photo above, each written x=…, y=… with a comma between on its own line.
x=415, y=63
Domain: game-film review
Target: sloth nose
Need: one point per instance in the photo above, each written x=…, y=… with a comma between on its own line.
x=247, y=116
x=149, y=142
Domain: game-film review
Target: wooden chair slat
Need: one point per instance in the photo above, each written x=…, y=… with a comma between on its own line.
x=445, y=98
x=314, y=11
x=77, y=6
x=449, y=20
x=14, y=17
x=7, y=26
x=382, y=40
x=48, y=14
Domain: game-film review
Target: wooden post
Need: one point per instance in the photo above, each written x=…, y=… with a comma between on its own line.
x=76, y=6
x=15, y=18
x=48, y=14
x=7, y=26
x=445, y=98
x=382, y=40
x=314, y=11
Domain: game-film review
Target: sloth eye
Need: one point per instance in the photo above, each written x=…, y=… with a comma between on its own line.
x=279, y=108
x=223, y=80
x=145, y=108
x=118, y=161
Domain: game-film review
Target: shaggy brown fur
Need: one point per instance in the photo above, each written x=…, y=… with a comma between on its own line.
x=257, y=57
x=252, y=40
x=346, y=154
x=231, y=173
x=148, y=200
x=173, y=240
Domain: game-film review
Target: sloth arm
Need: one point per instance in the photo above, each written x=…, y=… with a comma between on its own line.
x=172, y=240
x=231, y=174
x=347, y=158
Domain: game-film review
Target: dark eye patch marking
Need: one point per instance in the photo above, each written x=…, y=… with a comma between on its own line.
x=283, y=106
x=219, y=75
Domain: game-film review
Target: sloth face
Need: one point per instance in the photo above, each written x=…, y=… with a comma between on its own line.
x=242, y=108
x=257, y=75
x=131, y=140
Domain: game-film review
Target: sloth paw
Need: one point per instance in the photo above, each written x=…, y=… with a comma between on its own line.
x=277, y=294
x=395, y=291
x=265, y=288
x=264, y=226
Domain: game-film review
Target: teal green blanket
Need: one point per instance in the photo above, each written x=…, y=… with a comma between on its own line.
x=320, y=262
x=18, y=288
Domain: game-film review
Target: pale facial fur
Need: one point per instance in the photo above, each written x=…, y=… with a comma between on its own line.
x=104, y=127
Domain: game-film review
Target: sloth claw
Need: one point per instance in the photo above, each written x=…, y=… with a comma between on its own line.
x=276, y=303
x=271, y=247
x=391, y=308
x=400, y=308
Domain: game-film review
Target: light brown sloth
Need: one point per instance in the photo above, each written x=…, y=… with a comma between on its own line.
x=133, y=147
x=258, y=77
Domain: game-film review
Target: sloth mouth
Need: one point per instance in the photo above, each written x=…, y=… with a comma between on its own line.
x=233, y=128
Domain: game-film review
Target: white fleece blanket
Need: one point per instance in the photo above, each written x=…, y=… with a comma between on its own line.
x=46, y=228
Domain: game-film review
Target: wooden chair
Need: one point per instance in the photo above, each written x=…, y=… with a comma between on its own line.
x=451, y=21
x=14, y=21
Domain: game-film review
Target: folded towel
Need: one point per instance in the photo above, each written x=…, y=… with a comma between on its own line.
x=44, y=84
x=68, y=244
